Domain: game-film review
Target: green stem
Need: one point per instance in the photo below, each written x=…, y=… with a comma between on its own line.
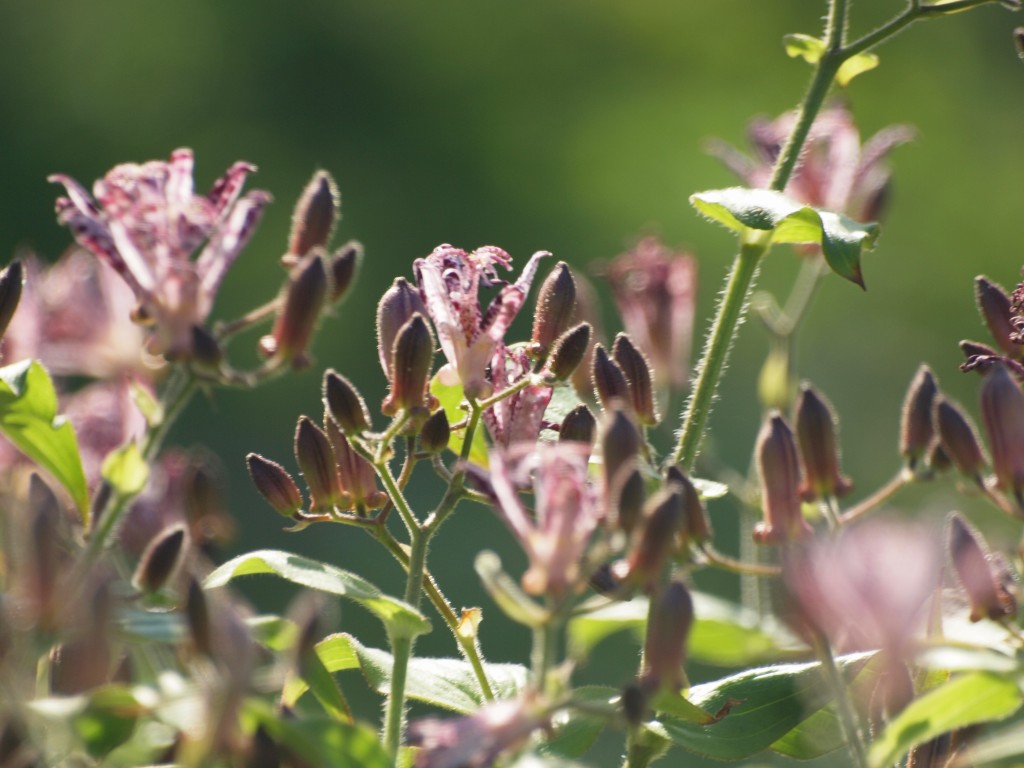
x=878, y=497
x=847, y=719
x=542, y=658
x=397, y=497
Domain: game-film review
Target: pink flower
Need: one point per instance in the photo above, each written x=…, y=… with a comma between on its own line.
x=519, y=417
x=556, y=536
x=147, y=225
x=449, y=281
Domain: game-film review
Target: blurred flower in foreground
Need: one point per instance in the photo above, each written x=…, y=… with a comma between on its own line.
x=655, y=289
x=147, y=225
x=449, y=279
x=836, y=172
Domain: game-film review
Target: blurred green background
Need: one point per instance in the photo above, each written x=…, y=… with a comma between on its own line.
x=570, y=126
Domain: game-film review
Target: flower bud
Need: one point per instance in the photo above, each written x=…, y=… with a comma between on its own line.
x=779, y=471
x=397, y=306
x=816, y=438
x=299, y=313
x=341, y=269
x=916, y=421
x=435, y=432
x=628, y=501
x=994, y=305
x=316, y=460
x=45, y=563
x=938, y=460
x=358, y=480
x=634, y=704
x=579, y=425
x=985, y=578
x=206, y=352
x=315, y=215
x=1002, y=410
x=637, y=371
x=696, y=525
x=568, y=352
x=974, y=349
x=197, y=617
x=410, y=368
x=958, y=439
x=344, y=403
x=12, y=279
x=556, y=302
x=665, y=643
x=274, y=484
x=657, y=539
x=161, y=559
x=620, y=446
x=609, y=381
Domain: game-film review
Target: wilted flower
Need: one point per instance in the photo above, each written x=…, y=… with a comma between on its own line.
x=836, y=172
x=449, y=280
x=655, y=289
x=147, y=225
x=518, y=417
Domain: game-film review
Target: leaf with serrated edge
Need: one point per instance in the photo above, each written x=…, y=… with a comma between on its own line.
x=400, y=618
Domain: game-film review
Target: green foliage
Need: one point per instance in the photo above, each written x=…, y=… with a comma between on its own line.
x=126, y=470
x=452, y=399
x=810, y=49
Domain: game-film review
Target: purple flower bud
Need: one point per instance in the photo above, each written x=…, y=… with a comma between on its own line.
x=916, y=420
x=316, y=460
x=657, y=538
x=315, y=215
x=274, y=484
x=568, y=352
x=344, y=403
x=994, y=305
x=579, y=425
x=816, y=438
x=779, y=471
x=556, y=303
x=627, y=501
x=397, y=306
x=161, y=559
x=45, y=563
x=696, y=525
x=665, y=644
x=609, y=381
x=435, y=433
x=197, y=617
x=12, y=280
x=637, y=371
x=958, y=439
x=938, y=460
x=206, y=352
x=410, y=370
x=985, y=578
x=358, y=480
x=620, y=446
x=341, y=269
x=1002, y=410
x=299, y=314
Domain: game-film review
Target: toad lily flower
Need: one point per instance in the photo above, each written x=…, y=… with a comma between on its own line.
x=146, y=223
x=449, y=279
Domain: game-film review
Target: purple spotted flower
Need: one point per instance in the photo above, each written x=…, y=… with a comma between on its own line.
x=449, y=281
x=146, y=222
x=519, y=417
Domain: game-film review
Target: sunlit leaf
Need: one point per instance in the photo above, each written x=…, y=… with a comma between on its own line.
x=575, y=732
x=709, y=489
x=107, y=720
x=28, y=418
x=324, y=687
x=856, y=65
x=126, y=470
x=400, y=619
x=451, y=396
x=972, y=698
x=818, y=735
x=804, y=46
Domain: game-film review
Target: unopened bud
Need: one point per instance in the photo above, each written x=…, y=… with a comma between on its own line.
x=12, y=279
x=994, y=305
x=696, y=525
x=397, y=306
x=779, y=471
x=657, y=539
x=620, y=446
x=341, y=268
x=316, y=460
x=197, y=617
x=45, y=562
x=300, y=311
x=959, y=439
x=206, y=352
x=628, y=501
x=916, y=421
x=358, y=480
x=436, y=432
x=556, y=303
x=315, y=215
x=637, y=371
x=161, y=559
x=819, y=449
x=274, y=484
x=568, y=352
x=975, y=349
x=938, y=460
x=579, y=425
x=1002, y=410
x=344, y=403
x=410, y=367
x=665, y=644
x=985, y=578
x=609, y=381
x=634, y=704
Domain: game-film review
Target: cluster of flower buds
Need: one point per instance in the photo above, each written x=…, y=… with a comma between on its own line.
x=406, y=349
x=624, y=378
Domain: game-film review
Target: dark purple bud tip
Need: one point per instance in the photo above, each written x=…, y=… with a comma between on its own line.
x=435, y=433
x=610, y=383
x=397, y=306
x=985, y=578
x=556, y=303
x=568, y=352
x=410, y=367
x=627, y=501
x=12, y=280
x=994, y=305
x=579, y=425
x=341, y=269
x=959, y=440
x=667, y=633
x=916, y=420
x=197, y=617
x=635, y=703
x=657, y=539
x=696, y=525
x=637, y=370
x=316, y=460
x=303, y=301
x=161, y=559
x=315, y=215
x=206, y=352
x=620, y=445
x=344, y=403
x=1002, y=411
x=779, y=471
x=274, y=484
x=819, y=448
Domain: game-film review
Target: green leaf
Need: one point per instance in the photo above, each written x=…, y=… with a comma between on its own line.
x=147, y=404
x=575, y=732
x=841, y=239
x=446, y=683
x=273, y=632
x=756, y=708
x=126, y=470
x=968, y=699
x=856, y=65
x=563, y=400
x=28, y=418
x=107, y=720
x=324, y=687
x=451, y=396
x=709, y=489
x=804, y=46
x=818, y=735
x=681, y=708
x=400, y=619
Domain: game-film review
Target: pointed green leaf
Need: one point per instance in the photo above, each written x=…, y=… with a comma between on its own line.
x=966, y=700
x=841, y=239
x=756, y=708
x=818, y=735
x=324, y=687
x=451, y=396
x=28, y=418
x=804, y=46
x=400, y=619
x=126, y=470
x=107, y=720
x=681, y=708
x=575, y=731
x=856, y=65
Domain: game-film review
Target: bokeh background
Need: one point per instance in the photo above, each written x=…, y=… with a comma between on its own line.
x=573, y=127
